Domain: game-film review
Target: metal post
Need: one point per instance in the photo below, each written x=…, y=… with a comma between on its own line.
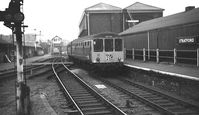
x=133, y=53
x=124, y=53
x=157, y=55
x=88, y=23
x=174, y=56
x=197, y=57
x=20, y=77
x=148, y=36
x=144, y=54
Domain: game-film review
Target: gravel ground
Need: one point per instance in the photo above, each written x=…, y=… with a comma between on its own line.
x=7, y=98
x=115, y=97
x=39, y=85
x=47, y=85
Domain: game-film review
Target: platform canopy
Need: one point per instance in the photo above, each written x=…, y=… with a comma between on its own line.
x=142, y=8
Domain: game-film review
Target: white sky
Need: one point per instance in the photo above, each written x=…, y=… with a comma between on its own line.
x=61, y=17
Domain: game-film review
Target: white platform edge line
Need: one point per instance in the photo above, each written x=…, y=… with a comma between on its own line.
x=163, y=72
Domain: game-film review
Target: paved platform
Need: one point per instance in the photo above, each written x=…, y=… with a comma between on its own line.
x=187, y=72
x=28, y=61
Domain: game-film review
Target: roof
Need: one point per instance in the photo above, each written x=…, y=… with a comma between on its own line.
x=100, y=35
x=168, y=21
x=140, y=7
x=103, y=8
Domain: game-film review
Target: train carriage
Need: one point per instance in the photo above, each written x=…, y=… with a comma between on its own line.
x=102, y=49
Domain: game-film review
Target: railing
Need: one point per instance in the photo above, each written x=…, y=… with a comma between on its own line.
x=174, y=56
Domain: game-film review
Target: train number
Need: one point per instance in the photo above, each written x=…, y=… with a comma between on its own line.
x=109, y=56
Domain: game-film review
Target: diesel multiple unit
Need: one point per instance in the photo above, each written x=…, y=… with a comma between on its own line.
x=102, y=49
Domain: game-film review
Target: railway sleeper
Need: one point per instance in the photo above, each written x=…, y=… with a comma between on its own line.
x=91, y=105
x=87, y=101
x=83, y=97
x=104, y=112
x=94, y=108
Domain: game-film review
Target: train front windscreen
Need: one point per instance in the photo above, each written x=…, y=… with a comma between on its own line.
x=118, y=45
x=109, y=45
x=98, y=45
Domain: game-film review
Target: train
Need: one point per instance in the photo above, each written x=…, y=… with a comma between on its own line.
x=102, y=50
x=55, y=51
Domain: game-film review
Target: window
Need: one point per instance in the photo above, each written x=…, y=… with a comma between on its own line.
x=98, y=45
x=118, y=44
x=108, y=44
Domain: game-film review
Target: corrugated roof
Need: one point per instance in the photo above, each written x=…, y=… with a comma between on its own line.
x=103, y=8
x=142, y=7
x=172, y=20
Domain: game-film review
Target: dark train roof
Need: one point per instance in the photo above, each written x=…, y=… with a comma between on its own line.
x=188, y=17
x=96, y=36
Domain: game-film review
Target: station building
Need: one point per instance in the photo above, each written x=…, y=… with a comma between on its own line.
x=107, y=18
x=8, y=47
x=100, y=18
x=166, y=32
x=139, y=12
x=175, y=32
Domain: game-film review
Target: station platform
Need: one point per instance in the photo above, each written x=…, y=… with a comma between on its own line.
x=28, y=61
x=182, y=71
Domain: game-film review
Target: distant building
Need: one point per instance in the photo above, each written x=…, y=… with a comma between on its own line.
x=139, y=12
x=8, y=47
x=101, y=18
x=107, y=18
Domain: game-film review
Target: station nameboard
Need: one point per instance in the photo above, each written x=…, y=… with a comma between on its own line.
x=188, y=40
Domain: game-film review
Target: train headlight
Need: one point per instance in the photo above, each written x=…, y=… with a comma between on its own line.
x=98, y=59
x=119, y=59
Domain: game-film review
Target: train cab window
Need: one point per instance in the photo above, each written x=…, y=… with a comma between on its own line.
x=118, y=44
x=108, y=44
x=88, y=43
x=98, y=45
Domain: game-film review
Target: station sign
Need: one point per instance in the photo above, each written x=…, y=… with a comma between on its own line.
x=188, y=40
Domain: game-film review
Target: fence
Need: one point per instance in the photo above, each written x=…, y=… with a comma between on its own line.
x=173, y=56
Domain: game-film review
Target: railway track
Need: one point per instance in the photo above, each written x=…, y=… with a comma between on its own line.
x=13, y=73
x=85, y=99
x=163, y=103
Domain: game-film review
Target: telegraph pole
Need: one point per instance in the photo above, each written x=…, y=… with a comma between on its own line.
x=13, y=19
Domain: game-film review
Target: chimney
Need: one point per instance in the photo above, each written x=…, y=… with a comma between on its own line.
x=188, y=8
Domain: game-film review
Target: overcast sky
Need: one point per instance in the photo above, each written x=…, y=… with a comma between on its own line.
x=62, y=17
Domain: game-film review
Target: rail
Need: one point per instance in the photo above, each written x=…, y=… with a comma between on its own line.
x=174, y=56
x=66, y=91
x=85, y=99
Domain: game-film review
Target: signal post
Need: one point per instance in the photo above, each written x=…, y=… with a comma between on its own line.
x=13, y=19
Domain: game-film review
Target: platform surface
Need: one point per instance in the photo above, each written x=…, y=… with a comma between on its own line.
x=183, y=71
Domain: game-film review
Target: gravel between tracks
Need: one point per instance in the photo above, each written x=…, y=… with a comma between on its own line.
x=114, y=96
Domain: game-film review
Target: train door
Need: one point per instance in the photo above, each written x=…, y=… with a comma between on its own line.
x=90, y=50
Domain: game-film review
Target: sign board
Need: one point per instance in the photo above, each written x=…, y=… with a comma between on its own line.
x=188, y=40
